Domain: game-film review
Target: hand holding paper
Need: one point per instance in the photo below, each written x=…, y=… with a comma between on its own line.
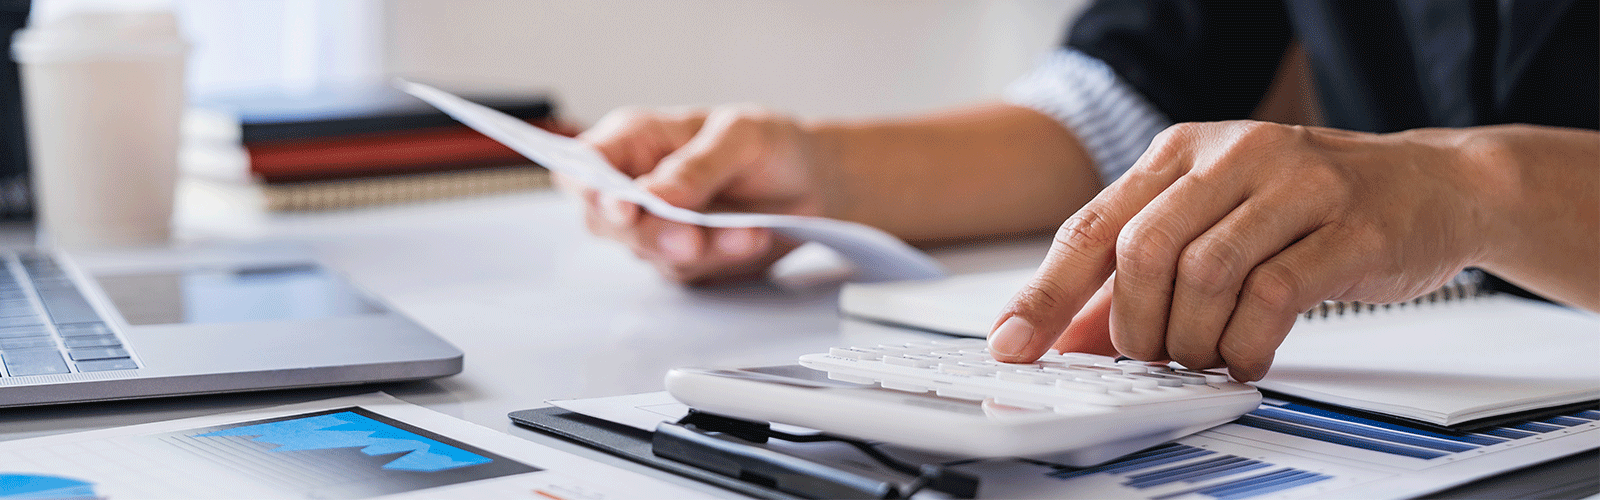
x=877, y=255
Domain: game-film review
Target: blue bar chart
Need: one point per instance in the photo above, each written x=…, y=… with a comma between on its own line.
x=1327, y=450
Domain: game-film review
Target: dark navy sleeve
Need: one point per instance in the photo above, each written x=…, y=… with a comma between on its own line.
x=1195, y=60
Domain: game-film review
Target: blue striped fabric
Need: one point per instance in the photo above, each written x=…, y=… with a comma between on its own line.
x=1113, y=121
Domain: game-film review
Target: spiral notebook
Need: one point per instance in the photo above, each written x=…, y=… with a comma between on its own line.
x=1457, y=355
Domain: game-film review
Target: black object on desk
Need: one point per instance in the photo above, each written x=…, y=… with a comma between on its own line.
x=14, y=188
x=721, y=451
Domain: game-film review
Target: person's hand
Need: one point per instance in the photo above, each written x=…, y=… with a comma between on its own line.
x=733, y=158
x=1222, y=233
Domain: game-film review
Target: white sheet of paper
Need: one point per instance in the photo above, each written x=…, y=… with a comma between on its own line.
x=878, y=256
x=384, y=447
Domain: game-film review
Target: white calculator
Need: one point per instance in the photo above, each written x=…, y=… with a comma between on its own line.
x=951, y=397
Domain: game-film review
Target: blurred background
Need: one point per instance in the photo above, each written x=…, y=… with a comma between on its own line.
x=810, y=57
x=303, y=85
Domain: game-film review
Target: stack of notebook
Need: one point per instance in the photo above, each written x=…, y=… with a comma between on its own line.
x=357, y=147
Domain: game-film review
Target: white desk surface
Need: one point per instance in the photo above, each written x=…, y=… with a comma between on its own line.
x=541, y=309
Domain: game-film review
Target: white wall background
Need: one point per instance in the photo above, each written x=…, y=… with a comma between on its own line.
x=837, y=58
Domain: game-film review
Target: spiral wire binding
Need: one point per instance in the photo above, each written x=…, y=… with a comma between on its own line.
x=1465, y=286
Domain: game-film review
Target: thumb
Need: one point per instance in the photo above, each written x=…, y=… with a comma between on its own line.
x=694, y=174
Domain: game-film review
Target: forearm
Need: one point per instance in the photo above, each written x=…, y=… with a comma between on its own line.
x=1544, y=183
x=984, y=170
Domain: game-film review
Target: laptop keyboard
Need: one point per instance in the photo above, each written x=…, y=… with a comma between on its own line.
x=47, y=327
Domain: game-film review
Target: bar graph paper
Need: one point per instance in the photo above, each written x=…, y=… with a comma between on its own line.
x=1289, y=450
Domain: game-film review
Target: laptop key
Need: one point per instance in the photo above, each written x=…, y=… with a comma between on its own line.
x=25, y=363
x=11, y=310
x=29, y=320
x=100, y=365
x=24, y=331
x=65, y=304
x=92, y=341
x=94, y=353
x=83, y=329
x=27, y=343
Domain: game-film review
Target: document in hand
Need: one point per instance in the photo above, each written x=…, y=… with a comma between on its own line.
x=1451, y=358
x=877, y=255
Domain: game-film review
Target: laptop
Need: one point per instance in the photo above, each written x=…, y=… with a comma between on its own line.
x=98, y=326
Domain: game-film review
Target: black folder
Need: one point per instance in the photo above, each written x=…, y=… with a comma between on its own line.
x=630, y=443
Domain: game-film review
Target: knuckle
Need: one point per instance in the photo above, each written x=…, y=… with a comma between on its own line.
x=1260, y=132
x=1179, y=131
x=1211, y=266
x=1274, y=287
x=1145, y=250
x=1084, y=230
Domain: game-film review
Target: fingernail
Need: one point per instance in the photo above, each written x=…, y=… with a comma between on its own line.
x=1011, y=337
x=679, y=243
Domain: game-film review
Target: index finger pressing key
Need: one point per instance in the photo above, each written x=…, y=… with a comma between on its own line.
x=1082, y=256
x=1079, y=261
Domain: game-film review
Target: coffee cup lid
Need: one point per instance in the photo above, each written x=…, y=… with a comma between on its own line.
x=98, y=35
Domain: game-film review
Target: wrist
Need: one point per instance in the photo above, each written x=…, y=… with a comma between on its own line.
x=1536, y=193
x=827, y=146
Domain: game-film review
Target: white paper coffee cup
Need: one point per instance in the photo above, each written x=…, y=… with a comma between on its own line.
x=104, y=96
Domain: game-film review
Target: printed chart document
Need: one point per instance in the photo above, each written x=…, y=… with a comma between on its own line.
x=1281, y=450
x=1449, y=359
x=354, y=447
x=878, y=256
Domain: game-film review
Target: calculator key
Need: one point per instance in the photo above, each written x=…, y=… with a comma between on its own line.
x=1125, y=368
x=36, y=362
x=1026, y=378
x=100, y=365
x=853, y=353
x=960, y=394
x=965, y=369
x=1210, y=376
x=1079, y=385
x=1118, y=384
x=1097, y=369
x=1070, y=373
x=902, y=386
x=910, y=360
x=1135, y=382
x=1186, y=378
x=1158, y=379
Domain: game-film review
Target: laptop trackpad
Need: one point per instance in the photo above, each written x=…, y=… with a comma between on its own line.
x=233, y=295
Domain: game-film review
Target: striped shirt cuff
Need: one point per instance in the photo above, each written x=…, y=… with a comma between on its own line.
x=1112, y=120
